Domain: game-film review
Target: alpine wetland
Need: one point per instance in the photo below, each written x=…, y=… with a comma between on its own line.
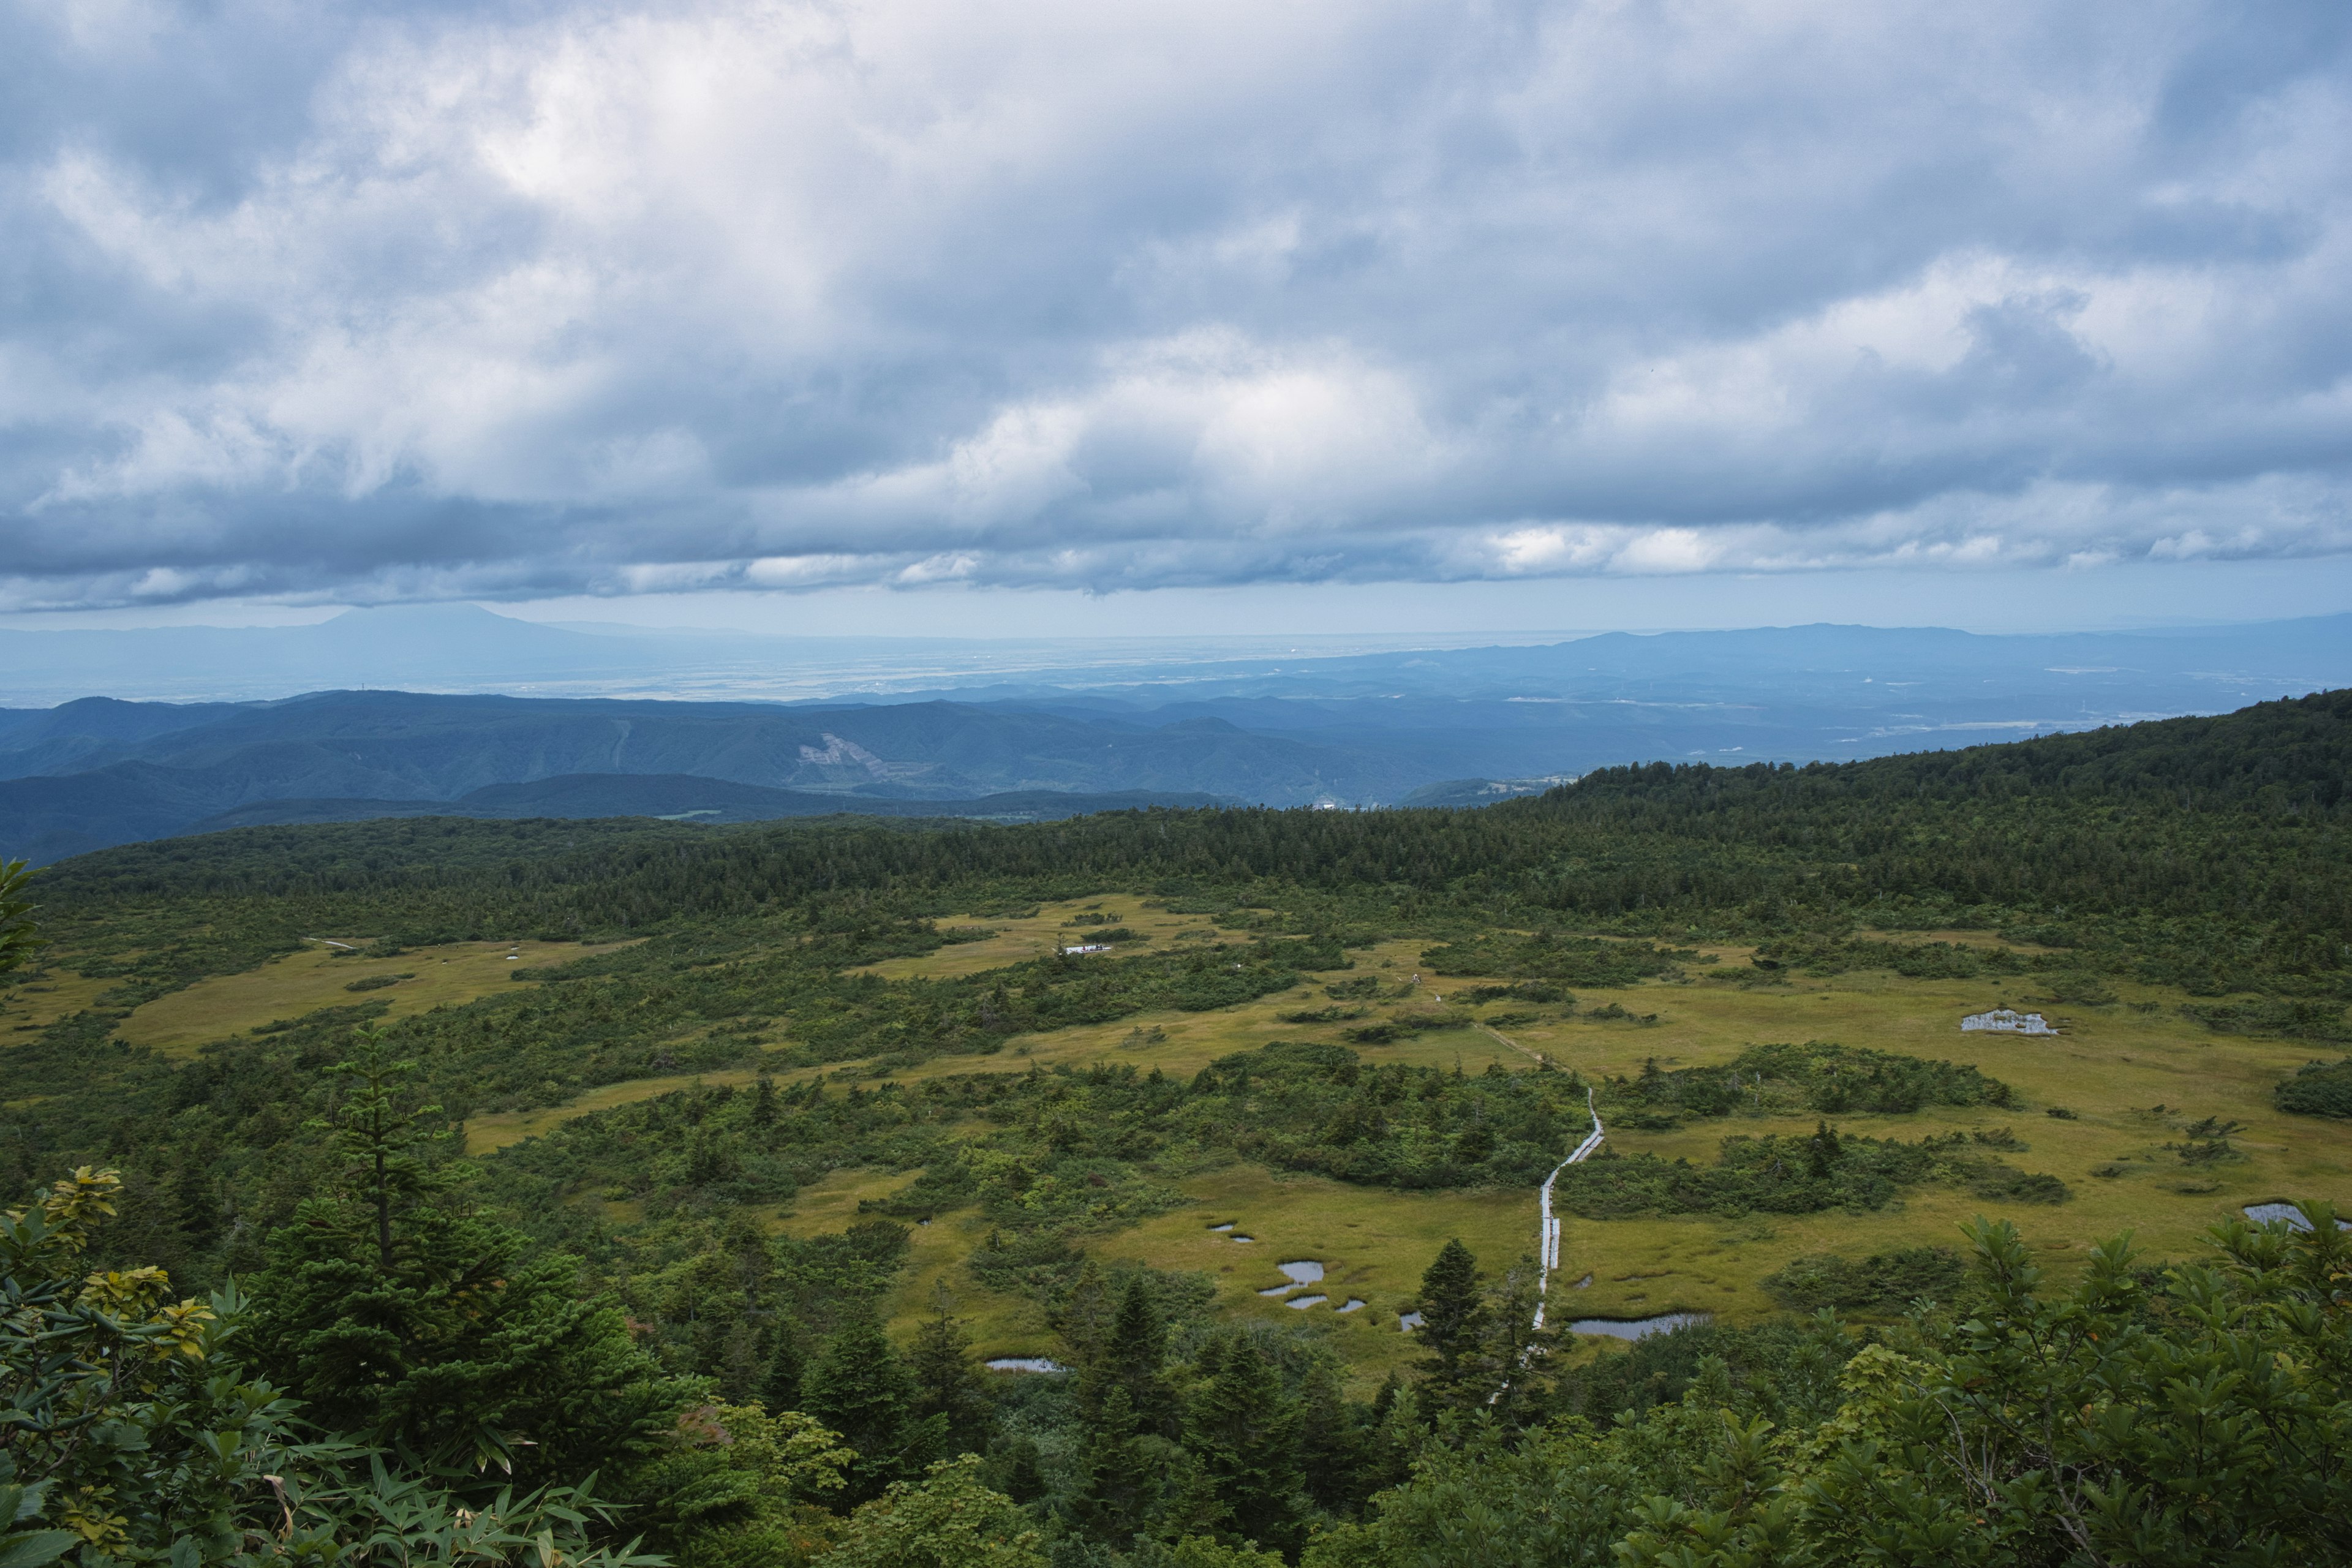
x=1343, y=785
x=1174, y=1172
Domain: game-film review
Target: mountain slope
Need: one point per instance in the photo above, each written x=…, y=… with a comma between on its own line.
x=681, y=796
x=95, y=774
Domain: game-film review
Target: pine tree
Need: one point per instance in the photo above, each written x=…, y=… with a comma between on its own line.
x=1330, y=1439
x=738, y=1363
x=1505, y=1379
x=195, y=1199
x=861, y=1388
x=764, y=1102
x=1824, y=1153
x=1130, y=1355
x=1710, y=1386
x=1119, y=1489
x=392, y=1311
x=1241, y=1428
x=947, y=1387
x=377, y=1134
x=1392, y=1432
x=1452, y=1316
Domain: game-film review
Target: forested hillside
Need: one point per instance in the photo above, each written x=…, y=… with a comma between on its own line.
x=797, y=1115
x=2210, y=848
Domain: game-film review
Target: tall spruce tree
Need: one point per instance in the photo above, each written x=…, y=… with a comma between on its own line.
x=1505, y=1380
x=1240, y=1433
x=1084, y=1316
x=1330, y=1438
x=393, y=1310
x=947, y=1387
x=1453, y=1319
x=1822, y=1151
x=1132, y=1355
x=862, y=1388
x=1122, y=1471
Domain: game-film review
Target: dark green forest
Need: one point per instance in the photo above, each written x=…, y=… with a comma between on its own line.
x=257, y=1308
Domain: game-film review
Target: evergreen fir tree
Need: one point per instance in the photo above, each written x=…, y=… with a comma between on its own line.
x=1084, y=1316
x=1120, y=1487
x=196, y=1197
x=1331, y=1440
x=1710, y=1387
x=1505, y=1379
x=1823, y=1152
x=947, y=1387
x=1452, y=1315
x=1130, y=1355
x=393, y=1311
x=1241, y=1429
x=748, y=1248
x=739, y=1364
x=1392, y=1431
x=20, y=933
x=861, y=1388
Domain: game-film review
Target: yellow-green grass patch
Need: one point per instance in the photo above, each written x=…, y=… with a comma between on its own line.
x=501, y=1130
x=321, y=976
x=30, y=1006
x=1373, y=1246
x=1022, y=938
x=2111, y=1068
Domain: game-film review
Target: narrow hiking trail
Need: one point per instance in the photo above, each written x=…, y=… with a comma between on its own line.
x=1547, y=1225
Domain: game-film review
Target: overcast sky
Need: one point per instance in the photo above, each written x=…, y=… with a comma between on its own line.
x=306, y=302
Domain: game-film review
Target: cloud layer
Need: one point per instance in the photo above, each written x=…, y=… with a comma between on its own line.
x=431, y=300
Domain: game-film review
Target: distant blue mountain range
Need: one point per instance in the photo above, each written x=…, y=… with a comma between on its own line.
x=1036, y=730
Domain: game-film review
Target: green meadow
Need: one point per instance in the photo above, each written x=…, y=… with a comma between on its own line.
x=2135, y=1075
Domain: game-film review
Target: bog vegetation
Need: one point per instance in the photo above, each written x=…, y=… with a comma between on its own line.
x=257, y=1307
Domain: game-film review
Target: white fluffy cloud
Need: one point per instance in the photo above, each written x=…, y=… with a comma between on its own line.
x=376, y=301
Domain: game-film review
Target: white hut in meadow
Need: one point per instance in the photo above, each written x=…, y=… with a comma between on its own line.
x=2002, y=1021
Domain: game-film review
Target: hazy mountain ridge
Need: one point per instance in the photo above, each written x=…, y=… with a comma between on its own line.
x=464, y=649
x=366, y=754
x=1423, y=726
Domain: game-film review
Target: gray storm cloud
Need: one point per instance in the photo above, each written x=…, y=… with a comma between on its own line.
x=382, y=303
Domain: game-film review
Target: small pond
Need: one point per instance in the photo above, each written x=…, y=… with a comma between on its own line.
x=1353, y=1302
x=1305, y=1302
x=1306, y=1271
x=1221, y=1229
x=1024, y=1364
x=1639, y=1328
x=1408, y=1322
